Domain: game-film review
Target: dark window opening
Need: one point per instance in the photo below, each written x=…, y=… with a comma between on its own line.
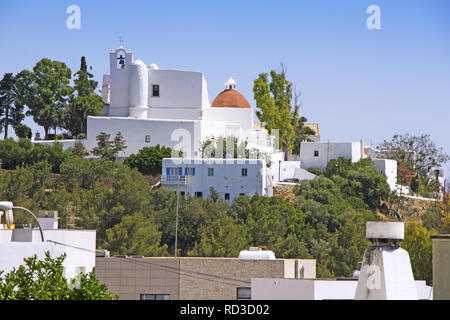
x=155, y=92
x=144, y=296
x=244, y=293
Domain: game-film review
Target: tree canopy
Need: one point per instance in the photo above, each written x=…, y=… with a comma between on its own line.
x=44, y=280
x=149, y=159
x=278, y=109
x=11, y=110
x=418, y=153
x=84, y=103
x=47, y=92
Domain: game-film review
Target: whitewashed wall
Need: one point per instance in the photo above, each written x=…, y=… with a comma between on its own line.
x=227, y=176
x=328, y=151
x=389, y=169
x=13, y=252
x=243, y=116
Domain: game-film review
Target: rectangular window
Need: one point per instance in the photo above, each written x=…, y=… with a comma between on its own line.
x=227, y=196
x=199, y=194
x=210, y=172
x=242, y=194
x=80, y=270
x=155, y=90
x=145, y=296
x=147, y=138
x=244, y=293
x=189, y=171
x=244, y=172
x=316, y=153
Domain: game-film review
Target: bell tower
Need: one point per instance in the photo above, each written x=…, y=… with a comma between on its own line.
x=120, y=61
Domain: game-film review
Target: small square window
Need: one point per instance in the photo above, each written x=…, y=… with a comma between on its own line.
x=199, y=194
x=316, y=153
x=244, y=172
x=227, y=196
x=244, y=293
x=144, y=296
x=147, y=138
x=210, y=172
x=242, y=194
x=155, y=90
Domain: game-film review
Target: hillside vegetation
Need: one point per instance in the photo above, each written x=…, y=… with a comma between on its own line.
x=325, y=219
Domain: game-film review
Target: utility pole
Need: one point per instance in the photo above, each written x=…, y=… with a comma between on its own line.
x=176, y=219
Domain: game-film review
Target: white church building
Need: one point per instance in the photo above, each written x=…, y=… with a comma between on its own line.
x=151, y=106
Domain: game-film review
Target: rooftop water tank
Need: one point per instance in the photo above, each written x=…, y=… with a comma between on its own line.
x=256, y=253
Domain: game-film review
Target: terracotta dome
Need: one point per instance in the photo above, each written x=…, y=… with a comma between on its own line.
x=230, y=99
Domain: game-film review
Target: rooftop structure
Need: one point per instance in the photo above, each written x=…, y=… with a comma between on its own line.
x=194, y=278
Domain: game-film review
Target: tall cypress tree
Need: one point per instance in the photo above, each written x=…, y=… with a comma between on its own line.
x=11, y=110
x=85, y=103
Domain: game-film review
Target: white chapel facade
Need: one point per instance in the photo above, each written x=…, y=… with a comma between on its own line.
x=150, y=105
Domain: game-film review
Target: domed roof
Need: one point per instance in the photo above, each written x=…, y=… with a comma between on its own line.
x=230, y=98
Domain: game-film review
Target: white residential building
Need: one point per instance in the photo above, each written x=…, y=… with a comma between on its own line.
x=317, y=154
x=78, y=245
x=229, y=177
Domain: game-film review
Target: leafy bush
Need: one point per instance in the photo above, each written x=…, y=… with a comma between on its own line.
x=149, y=159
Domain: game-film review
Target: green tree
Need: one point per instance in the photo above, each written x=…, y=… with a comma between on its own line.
x=47, y=93
x=11, y=112
x=79, y=150
x=85, y=103
x=274, y=101
x=417, y=243
x=44, y=280
x=149, y=159
x=22, y=131
x=136, y=234
x=85, y=173
x=417, y=152
x=221, y=236
x=108, y=149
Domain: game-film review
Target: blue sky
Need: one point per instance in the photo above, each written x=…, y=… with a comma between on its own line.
x=355, y=82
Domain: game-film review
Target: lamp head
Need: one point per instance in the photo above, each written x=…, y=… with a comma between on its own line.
x=7, y=206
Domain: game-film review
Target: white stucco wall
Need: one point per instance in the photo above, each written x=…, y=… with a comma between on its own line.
x=227, y=176
x=163, y=132
x=296, y=289
x=18, y=244
x=389, y=169
x=176, y=89
x=67, y=143
x=243, y=116
x=287, y=169
x=302, y=174
x=328, y=151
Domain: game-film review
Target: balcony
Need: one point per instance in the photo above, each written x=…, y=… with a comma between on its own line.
x=173, y=180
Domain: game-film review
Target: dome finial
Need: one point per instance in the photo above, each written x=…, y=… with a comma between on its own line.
x=230, y=84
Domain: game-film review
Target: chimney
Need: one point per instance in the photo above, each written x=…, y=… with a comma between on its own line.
x=386, y=272
x=48, y=219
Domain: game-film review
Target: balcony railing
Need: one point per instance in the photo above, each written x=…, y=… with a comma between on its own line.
x=165, y=179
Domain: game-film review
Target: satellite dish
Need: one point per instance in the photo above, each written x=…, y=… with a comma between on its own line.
x=9, y=218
